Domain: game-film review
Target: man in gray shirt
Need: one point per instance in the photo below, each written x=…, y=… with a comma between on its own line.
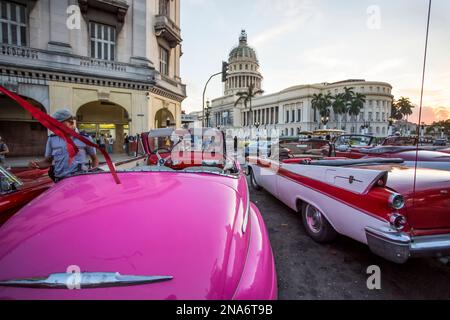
x=56, y=151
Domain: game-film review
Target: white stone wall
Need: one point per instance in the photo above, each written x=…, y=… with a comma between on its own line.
x=378, y=100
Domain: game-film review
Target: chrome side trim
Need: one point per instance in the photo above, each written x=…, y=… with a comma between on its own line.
x=389, y=244
x=83, y=280
x=247, y=209
x=390, y=235
x=436, y=245
x=399, y=247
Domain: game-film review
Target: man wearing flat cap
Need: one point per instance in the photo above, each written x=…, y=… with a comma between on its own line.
x=56, y=151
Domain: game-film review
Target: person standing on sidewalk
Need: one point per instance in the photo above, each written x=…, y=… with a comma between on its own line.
x=57, y=156
x=126, y=142
x=102, y=141
x=110, y=144
x=3, y=152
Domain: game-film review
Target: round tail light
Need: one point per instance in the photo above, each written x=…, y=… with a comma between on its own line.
x=396, y=201
x=398, y=221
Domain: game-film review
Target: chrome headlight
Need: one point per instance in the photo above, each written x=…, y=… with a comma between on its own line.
x=398, y=221
x=396, y=201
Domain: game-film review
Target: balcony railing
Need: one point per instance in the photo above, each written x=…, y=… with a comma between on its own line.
x=168, y=30
x=64, y=63
x=103, y=64
x=21, y=52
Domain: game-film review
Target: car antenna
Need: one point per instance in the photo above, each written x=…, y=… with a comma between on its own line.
x=421, y=96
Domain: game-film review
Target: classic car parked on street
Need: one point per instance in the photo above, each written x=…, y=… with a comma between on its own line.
x=370, y=200
x=440, y=142
x=362, y=146
x=18, y=187
x=180, y=225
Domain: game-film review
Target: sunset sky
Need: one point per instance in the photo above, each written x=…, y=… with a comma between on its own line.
x=311, y=41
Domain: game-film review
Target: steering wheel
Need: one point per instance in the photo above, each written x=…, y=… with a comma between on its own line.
x=162, y=161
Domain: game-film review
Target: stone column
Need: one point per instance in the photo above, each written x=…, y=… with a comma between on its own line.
x=59, y=33
x=118, y=144
x=139, y=43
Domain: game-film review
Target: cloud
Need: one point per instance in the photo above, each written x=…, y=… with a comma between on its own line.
x=385, y=66
x=195, y=2
x=431, y=114
x=284, y=8
x=272, y=33
x=289, y=16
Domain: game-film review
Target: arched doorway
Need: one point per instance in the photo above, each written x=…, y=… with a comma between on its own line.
x=164, y=119
x=24, y=135
x=104, y=117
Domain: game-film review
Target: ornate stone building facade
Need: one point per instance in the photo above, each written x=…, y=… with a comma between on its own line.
x=243, y=68
x=114, y=63
x=289, y=111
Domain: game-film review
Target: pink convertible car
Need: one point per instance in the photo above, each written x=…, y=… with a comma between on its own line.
x=180, y=225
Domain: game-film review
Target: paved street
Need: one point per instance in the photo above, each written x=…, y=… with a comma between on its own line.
x=307, y=270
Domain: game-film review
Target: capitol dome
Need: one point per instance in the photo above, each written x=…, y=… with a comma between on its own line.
x=243, y=68
x=242, y=51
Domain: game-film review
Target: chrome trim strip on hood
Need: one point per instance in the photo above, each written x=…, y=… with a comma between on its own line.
x=247, y=208
x=83, y=280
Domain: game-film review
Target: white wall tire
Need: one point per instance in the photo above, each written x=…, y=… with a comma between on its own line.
x=253, y=182
x=317, y=225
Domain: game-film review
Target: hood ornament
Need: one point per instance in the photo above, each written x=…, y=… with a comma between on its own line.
x=83, y=280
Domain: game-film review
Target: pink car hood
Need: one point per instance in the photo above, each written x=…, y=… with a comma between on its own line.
x=156, y=224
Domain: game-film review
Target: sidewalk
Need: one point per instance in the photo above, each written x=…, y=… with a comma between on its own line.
x=23, y=161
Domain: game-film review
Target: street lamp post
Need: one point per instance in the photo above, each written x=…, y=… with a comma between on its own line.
x=204, y=91
x=422, y=133
x=325, y=120
x=257, y=124
x=391, y=126
x=365, y=127
x=207, y=113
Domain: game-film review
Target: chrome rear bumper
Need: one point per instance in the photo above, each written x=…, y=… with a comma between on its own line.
x=399, y=247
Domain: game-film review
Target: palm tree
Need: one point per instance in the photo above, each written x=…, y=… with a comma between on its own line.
x=404, y=106
x=321, y=103
x=356, y=105
x=395, y=112
x=325, y=108
x=246, y=97
x=339, y=106
x=316, y=103
x=348, y=96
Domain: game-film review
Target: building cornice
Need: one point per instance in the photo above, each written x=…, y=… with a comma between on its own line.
x=160, y=91
x=55, y=66
x=46, y=75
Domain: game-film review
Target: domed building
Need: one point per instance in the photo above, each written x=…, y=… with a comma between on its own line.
x=290, y=111
x=243, y=68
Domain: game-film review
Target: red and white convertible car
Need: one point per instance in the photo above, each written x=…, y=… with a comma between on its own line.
x=370, y=200
x=362, y=146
